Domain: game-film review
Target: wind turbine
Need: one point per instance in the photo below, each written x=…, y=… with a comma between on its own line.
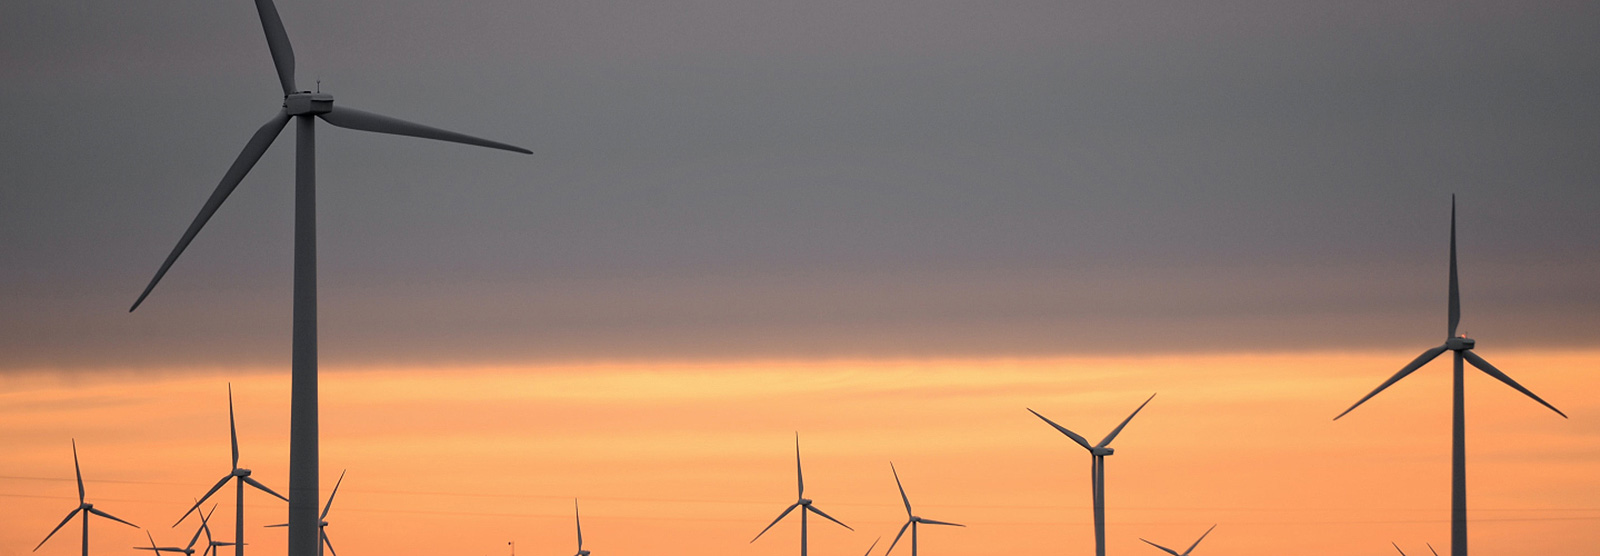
x=189, y=549
x=83, y=506
x=1403, y=553
x=1186, y=552
x=911, y=520
x=240, y=477
x=1462, y=346
x=579, y=521
x=1097, y=471
x=304, y=107
x=803, y=503
x=322, y=522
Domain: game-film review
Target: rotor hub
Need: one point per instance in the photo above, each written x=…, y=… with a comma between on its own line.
x=1101, y=451
x=307, y=103
x=1460, y=343
x=805, y=501
x=241, y=472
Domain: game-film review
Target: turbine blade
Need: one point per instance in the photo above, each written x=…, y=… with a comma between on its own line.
x=1455, y=287
x=1491, y=371
x=329, y=505
x=247, y=159
x=77, y=470
x=902, y=489
x=1163, y=548
x=874, y=545
x=351, y=118
x=202, y=500
x=1430, y=549
x=329, y=543
x=233, y=431
x=1202, y=537
x=111, y=517
x=799, y=474
x=252, y=482
x=152, y=542
x=775, y=521
x=1074, y=436
x=1408, y=369
x=897, y=538
x=1118, y=430
x=58, y=527
x=277, y=525
x=278, y=44
x=1397, y=548
x=926, y=521
x=830, y=518
x=578, y=520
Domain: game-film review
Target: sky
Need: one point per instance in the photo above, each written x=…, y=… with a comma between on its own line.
x=743, y=220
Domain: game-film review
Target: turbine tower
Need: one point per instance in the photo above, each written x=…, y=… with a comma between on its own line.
x=83, y=506
x=803, y=503
x=579, y=521
x=1097, y=471
x=304, y=107
x=322, y=522
x=240, y=477
x=1462, y=346
x=911, y=520
x=1186, y=552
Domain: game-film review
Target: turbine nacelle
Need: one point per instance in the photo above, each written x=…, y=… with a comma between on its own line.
x=240, y=472
x=306, y=103
x=804, y=502
x=1101, y=451
x=1460, y=343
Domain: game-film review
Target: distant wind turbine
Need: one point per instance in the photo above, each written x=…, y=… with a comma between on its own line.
x=1462, y=346
x=188, y=550
x=83, y=506
x=803, y=503
x=911, y=520
x=1186, y=552
x=1403, y=553
x=579, y=521
x=1097, y=471
x=304, y=107
x=241, y=477
x=322, y=522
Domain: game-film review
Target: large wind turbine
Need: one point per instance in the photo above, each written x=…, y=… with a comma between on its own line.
x=304, y=107
x=1097, y=471
x=803, y=503
x=322, y=521
x=911, y=520
x=1186, y=552
x=83, y=506
x=579, y=521
x=240, y=477
x=1462, y=346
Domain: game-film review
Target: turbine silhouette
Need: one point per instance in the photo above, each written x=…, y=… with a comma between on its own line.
x=304, y=107
x=240, y=477
x=83, y=506
x=1186, y=552
x=911, y=520
x=188, y=550
x=322, y=521
x=1097, y=471
x=803, y=503
x=1462, y=346
x=579, y=521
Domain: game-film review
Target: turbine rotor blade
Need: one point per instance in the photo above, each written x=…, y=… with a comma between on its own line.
x=329, y=505
x=775, y=521
x=1202, y=537
x=202, y=500
x=897, y=538
x=874, y=545
x=1430, y=549
x=351, y=118
x=926, y=521
x=1408, y=369
x=74, y=513
x=799, y=474
x=111, y=517
x=1455, y=287
x=830, y=518
x=902, y=489
x=254, y=483
x=77, y=470
x=278, y=44
x=578, y=520
x=1163, y=548
x=329, y=544
x=277, y=525
x=247, y=159
x=1491, y=371
x=1118, y=430
x=1074, y=436
x=233, y=430
x=1397, y=548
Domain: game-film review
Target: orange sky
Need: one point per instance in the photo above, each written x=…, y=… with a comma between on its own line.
x=695, y=458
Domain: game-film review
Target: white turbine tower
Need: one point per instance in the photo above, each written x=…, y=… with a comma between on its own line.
x=304, y=107
x=322, y=521
x=1097, y=471
x=911, y=520
x=1462, y=346
x=1186, y=552
x=83, y=506
x=241, y=477
x=803, y=503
